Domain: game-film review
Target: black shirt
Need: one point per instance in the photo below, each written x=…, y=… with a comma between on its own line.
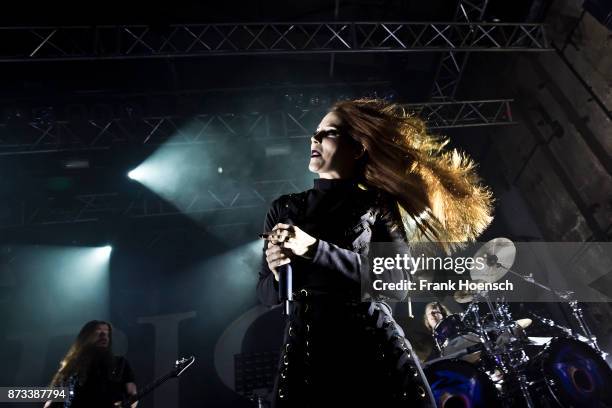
x=102, y=388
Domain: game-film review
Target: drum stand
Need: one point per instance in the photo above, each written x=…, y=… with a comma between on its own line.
x=505, y=360
x=592, y=339
x=474, y=309
x=515, y=367
x=523, y=384
x=566, y=296
x=504, y=342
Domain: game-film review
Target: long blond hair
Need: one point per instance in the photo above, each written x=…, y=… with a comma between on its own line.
x=439, y=196
x=431, y=306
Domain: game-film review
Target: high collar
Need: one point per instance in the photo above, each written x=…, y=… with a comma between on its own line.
x=322, y=184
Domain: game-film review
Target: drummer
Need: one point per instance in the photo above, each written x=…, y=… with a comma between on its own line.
x=435, y=312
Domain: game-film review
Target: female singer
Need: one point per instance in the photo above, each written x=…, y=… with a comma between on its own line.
x=382, y=178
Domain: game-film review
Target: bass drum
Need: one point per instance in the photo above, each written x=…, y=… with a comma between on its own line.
x=457, y=384
x=574, y=375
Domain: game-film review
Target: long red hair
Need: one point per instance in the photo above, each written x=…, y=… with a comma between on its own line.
x=438, y=193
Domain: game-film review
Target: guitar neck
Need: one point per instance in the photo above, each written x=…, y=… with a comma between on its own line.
x=180, y=366
x=148, y=388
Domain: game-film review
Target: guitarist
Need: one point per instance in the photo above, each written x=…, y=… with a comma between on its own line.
x=98, y=378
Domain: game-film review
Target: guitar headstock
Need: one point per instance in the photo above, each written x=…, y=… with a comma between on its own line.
x=182, y=364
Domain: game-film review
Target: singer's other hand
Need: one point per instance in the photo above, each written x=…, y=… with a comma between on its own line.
x=291, y=237
x=276, y=256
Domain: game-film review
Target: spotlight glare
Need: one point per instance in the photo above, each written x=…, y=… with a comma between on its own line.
x=133, y=174
x=103, y=253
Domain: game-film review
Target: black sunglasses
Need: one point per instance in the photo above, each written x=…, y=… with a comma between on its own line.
x=326, y=133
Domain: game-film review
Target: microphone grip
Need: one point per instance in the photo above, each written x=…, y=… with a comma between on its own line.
x=285, y=283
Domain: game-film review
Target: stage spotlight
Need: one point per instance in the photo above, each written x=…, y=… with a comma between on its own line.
x=104, y=252
x=134, y=174
x=147, y=173
x=76, y=278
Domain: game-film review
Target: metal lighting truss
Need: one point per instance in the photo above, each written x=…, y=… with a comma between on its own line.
x=49, y=136
x=96, y=207
x=189, y=40
x=141, y=41
x=93, y=207
x=452, y=64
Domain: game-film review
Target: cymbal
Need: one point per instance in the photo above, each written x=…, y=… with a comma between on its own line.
x=463, y=296
x=524, y=323
x=539, y=341
x=499, y=254
x=466, y=296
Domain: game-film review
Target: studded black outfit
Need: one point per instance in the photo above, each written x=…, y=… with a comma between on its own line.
x=339, y=350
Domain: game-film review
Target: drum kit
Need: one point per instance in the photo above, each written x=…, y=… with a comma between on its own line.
x=488, y=359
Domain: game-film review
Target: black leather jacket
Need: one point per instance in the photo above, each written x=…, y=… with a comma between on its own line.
x=346, y=220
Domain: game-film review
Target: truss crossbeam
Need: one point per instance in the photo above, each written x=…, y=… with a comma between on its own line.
x=189, y=40
x=452, y=64
x=97, y=207
x=88, y=134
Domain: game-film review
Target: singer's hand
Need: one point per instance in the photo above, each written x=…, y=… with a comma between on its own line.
x=276, y=256
x=291, y=237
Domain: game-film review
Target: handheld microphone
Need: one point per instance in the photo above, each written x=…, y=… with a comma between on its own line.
x=285, y=282
x=285, y=285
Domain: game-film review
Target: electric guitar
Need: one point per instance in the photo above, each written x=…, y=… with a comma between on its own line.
x=179, y=367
